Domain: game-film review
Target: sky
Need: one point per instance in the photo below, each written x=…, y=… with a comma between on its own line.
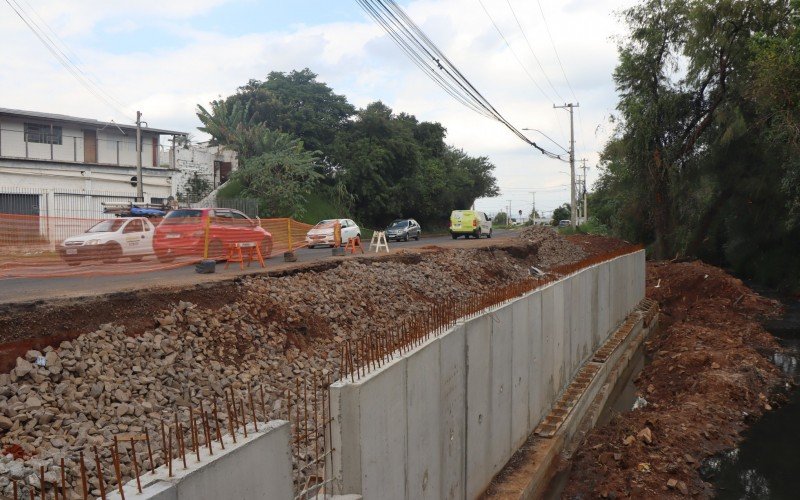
x=165, y=57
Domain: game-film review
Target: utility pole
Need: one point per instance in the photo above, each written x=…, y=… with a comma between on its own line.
x=572, y=198
x=508, y=214
x=139, y=179
x=533, y=209
x=585, y=194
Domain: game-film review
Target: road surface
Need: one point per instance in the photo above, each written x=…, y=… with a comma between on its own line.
x=32, y=289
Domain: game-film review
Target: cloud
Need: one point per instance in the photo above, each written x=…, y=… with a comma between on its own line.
x=171, y=64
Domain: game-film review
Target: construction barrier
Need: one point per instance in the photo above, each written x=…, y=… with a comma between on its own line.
x=40, y=247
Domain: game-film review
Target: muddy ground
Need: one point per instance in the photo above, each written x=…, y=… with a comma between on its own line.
x=708, y=377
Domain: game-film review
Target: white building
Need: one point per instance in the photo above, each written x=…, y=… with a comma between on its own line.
x=214, y=164
x=64, y=166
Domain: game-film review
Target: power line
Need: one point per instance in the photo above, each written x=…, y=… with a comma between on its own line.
x=416, y=44
x=530, y=47
x=553, y=44
x=60, y=56
x=513, y=52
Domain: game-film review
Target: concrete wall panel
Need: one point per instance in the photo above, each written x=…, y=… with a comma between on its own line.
x=502, y=385
x=383, y=430
x=522, y=361
x=423, y=400
x=479, y=404
x=603, y=303
x=537, y=403
x=549, y=347
x=452, y=423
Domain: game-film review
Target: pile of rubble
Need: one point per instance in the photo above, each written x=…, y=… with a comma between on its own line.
x=59, y=402
x=551, y=248
x=709, y=376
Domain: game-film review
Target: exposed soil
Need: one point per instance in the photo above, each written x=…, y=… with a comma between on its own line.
x=710, y=376
x=165, y=350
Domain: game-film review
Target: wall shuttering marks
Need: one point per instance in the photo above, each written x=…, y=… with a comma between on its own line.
x=441, y=420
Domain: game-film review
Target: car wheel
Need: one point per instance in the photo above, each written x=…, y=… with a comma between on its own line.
x=405, y=238
x=165, y=258
x=216, y=250
x=455, y=236
x=266, y=247
x=478, y=234
x=111, y=252
x=417, y=236
x=490, y=234
x=137, y=258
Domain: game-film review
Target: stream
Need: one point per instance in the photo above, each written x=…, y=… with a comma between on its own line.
x=766, y=465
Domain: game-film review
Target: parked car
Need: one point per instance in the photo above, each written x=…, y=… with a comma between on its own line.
x=182, y=232
x=403, y=229
x=564, y=223
x=109, y=241
x=470, y=223
x=322, y=232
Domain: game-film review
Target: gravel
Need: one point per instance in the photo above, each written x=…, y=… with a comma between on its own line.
x=280, y=331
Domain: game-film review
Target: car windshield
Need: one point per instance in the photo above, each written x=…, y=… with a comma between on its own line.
x=107, y=226
x=325, y=223
x=181, y=216
x=398, y=223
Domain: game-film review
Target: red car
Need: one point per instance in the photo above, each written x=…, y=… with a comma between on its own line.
x=182, y=232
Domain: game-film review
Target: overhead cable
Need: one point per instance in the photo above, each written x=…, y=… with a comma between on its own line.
x=435, y=64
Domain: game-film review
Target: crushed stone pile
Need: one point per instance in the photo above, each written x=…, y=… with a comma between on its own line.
x=710, y=374
x=279, y=330
x=551, y=248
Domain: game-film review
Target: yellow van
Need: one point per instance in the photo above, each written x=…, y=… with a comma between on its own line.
x=470, y=223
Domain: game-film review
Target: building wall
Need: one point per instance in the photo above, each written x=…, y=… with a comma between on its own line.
x=196, y=159
x=113, y=147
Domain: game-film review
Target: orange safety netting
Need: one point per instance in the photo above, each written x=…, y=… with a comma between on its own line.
x=39, y=247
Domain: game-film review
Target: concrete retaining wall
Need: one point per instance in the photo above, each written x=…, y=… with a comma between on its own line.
x=256, y=467
x=442, y=420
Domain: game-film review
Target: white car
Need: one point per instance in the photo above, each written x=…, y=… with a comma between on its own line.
x=322, y=232
x=109, y=241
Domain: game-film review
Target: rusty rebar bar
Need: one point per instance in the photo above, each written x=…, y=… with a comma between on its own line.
x=230, y=420
x=63, y=480
x=169, y=452
x=149, y=450
x=100, y=474
x=216, y=424
x=244, y=418
x=263, y=406
x=135, y=465
x=252, y=408
x=163, y=442
x=41, y=481
x=115, y=458
x=207, y=428
x=180, y=440
x=14, y=488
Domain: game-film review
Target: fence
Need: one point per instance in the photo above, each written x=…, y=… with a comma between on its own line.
x=41, y=246
x=167, y=436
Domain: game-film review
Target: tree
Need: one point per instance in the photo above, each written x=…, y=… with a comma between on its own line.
x=281, y=175
x=501, y=219
x=561, y=213
x=194, y=189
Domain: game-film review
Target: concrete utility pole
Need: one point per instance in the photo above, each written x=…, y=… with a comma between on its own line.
x=572, y=198
x=585, y=194
x=139, y=179
x=533, y=209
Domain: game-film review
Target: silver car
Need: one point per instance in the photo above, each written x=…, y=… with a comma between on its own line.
x=403, y=230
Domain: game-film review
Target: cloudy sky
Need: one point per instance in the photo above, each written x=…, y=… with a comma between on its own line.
x=165, y=57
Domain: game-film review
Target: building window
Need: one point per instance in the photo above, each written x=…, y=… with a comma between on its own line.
x=41, y=134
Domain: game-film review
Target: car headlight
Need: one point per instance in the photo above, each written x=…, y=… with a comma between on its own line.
x=93, y=242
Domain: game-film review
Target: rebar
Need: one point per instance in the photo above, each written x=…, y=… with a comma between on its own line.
x=115, y=459
x=149, y=450
x=135, y=465
x=100, y=474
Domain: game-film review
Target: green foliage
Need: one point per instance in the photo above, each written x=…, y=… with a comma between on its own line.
x=281, y=175
x=194, y=189
x=378, y=165
x=704, y=161
x=564, y=212
x=501, y=219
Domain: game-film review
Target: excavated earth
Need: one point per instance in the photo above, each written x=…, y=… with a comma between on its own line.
x=709, y=376
x=85, y=382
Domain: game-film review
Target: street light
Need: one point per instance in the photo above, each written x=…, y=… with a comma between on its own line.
x=548, y=138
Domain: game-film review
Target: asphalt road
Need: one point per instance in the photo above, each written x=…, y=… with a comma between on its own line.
x=45, y=288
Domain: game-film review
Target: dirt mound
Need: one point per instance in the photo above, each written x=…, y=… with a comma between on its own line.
x=551, y=248
x=707, y=379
